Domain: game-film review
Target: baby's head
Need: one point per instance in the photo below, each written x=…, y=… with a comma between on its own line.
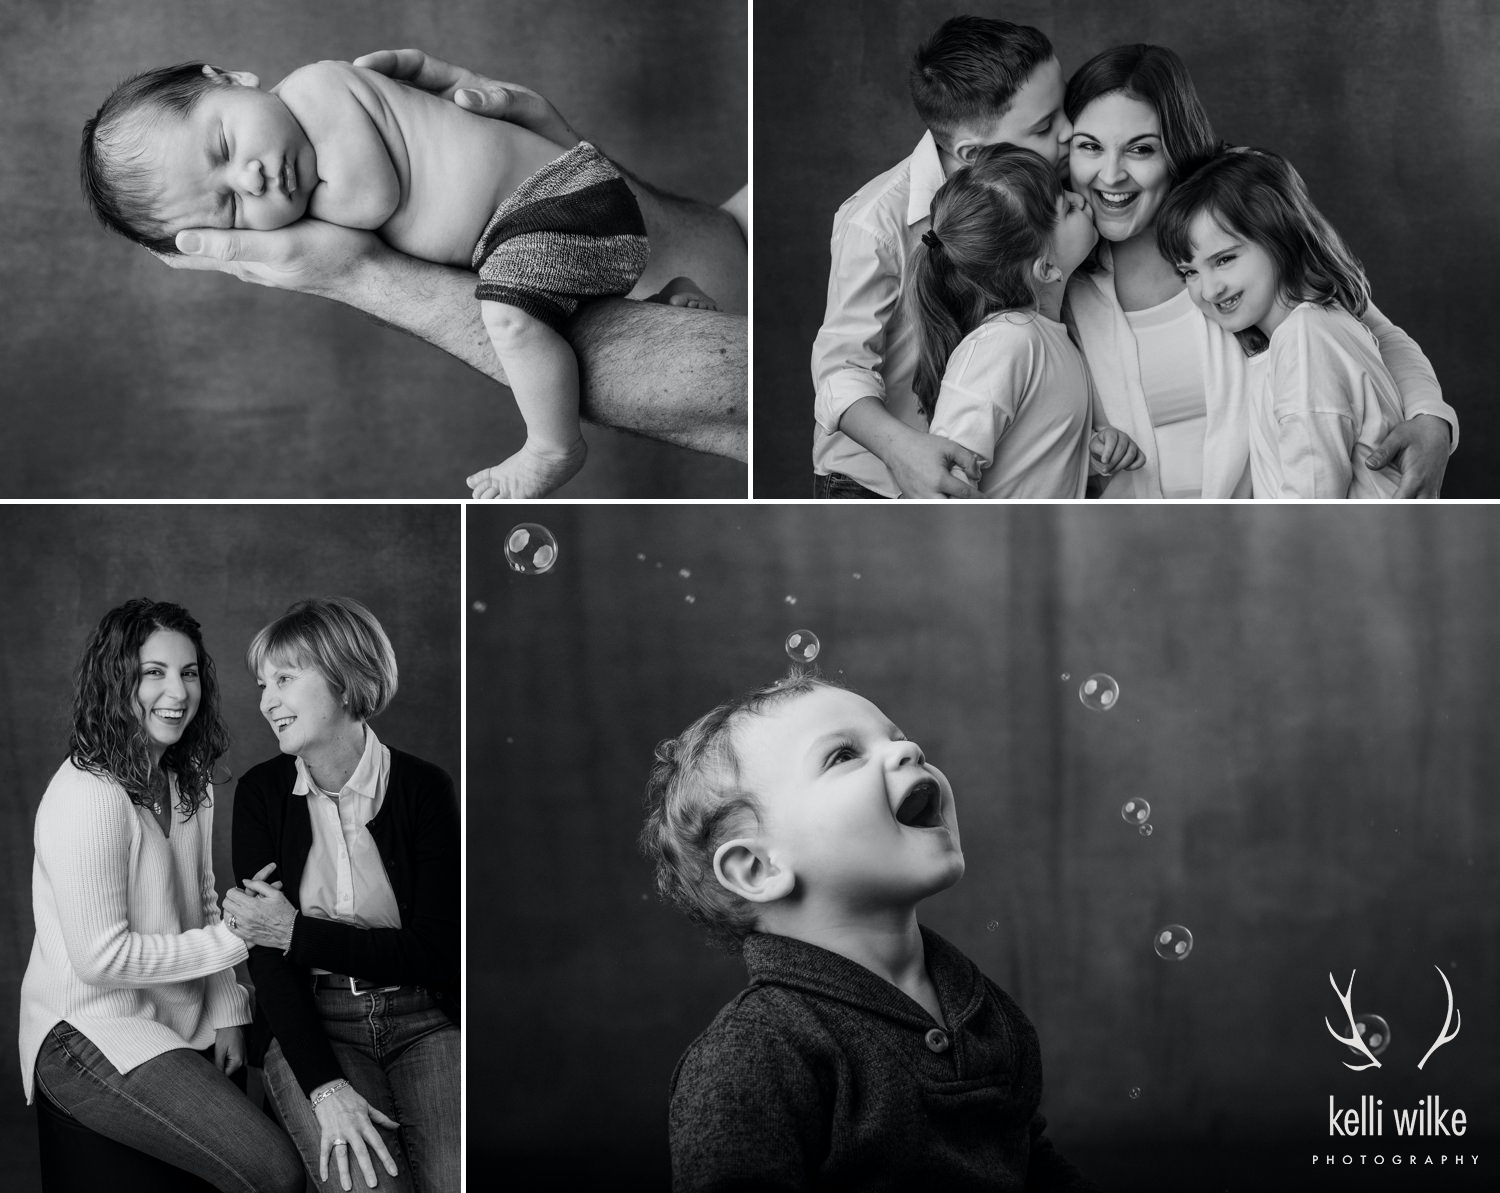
x=191, y=146
x=798, y=799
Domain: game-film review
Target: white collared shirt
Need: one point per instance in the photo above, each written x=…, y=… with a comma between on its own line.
x=866, y=348
x=344, y=879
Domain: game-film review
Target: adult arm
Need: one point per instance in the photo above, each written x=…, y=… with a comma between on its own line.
x=225, y=1000
x=666, y=372
x=83, y=845
x=1421, y=445
x=848, y=359
x=283, y=992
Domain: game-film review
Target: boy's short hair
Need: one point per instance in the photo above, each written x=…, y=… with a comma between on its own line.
x=342, y=639
x=969, y=71
x=118, y=180
x=695, y=802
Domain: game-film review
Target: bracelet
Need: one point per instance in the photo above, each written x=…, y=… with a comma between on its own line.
x=329, y=1092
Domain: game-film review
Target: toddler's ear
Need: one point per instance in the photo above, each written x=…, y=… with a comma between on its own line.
x=744, y=867
x=1045, y=270
x=242, y=77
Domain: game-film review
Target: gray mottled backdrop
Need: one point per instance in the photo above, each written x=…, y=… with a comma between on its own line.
x=1306, y=700
x=122, y=378
x=1389, y=110
x=234, y=568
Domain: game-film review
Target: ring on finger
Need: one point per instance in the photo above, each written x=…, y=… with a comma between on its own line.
x=340, y=1143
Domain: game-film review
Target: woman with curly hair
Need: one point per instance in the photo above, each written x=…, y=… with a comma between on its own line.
x=131, y=1018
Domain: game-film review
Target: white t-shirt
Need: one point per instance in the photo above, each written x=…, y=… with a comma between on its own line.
x=1320, y=399
x=1016, y=393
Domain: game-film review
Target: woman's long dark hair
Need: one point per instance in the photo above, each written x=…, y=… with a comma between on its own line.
x=108, y=738
x=990, y=222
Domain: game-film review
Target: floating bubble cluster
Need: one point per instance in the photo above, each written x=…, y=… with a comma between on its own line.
x=1135, y=811
x=1173, y=943
x=1375, y=1032
x=1099, y=692
x=802, y=646
x=530, y=549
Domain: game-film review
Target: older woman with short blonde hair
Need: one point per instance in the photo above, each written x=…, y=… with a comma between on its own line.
x=355, y=958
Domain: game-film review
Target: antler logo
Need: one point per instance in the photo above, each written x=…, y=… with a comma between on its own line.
x=1355, y=1041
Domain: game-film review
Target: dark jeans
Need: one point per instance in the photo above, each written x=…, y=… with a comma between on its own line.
x=838, y=487
x=401, y=1053
x=177, y=1107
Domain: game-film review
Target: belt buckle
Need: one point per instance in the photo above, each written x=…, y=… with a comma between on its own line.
x=354, y=988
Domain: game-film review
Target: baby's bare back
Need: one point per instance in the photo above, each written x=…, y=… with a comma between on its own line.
x=453, y=167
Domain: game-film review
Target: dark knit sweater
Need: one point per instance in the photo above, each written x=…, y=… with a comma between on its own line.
x=417, y=834
x=822, y=1075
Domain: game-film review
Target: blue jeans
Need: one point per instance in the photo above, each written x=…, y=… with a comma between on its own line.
x=836, y=486
x=401, y=1053
x=177, y=1107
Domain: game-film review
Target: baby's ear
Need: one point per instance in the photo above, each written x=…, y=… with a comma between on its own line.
x=745, y=867
x=241, y=77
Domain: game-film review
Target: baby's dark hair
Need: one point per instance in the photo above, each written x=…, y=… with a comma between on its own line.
x=969, y=71
x=1256, y=194
x=695, y=801
x=990, y=222
x=118, y=180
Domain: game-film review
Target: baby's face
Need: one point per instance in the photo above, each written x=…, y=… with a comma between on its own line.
x=239, y=160
x=849, y=803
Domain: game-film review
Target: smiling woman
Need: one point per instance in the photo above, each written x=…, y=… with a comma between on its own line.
x=131, y=1019
x=365, y=842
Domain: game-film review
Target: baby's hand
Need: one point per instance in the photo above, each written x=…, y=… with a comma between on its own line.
x=1112, y=451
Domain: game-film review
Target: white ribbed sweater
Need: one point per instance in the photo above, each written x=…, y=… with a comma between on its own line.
x=129, y=948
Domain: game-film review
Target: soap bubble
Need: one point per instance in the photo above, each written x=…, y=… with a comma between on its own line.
x=480, y=606
x=802, y=646
x=1135, y=1091
x=530, y=549
x=790, y=599
x=690, y=598
x=1147, y=829
x=1066, y=677
x=1173, y=943
x=857, y=576
x=1375, y=1032
x=1099, y=692
x=684, y=573
x=641, y=555
x=993, y=925
x=1135, y=811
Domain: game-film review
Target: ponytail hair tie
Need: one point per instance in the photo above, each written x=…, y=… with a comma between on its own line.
x=930, y=239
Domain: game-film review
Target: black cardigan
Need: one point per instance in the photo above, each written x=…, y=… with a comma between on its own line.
x=417, y=834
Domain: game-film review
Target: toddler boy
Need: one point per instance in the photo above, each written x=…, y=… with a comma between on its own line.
x=544, y=226
x=800, y=826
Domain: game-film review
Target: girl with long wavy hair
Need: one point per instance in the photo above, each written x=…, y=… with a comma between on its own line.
x=996, y=371
x=131, y=1018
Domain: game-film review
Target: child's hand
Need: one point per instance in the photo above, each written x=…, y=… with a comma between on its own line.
x=1112, y=451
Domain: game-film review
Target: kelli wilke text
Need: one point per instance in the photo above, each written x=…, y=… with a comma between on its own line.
x=1427, y=1117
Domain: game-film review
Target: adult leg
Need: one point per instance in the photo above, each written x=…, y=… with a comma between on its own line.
x=177, y=1107
x=422, y=1065
x=363, y=1072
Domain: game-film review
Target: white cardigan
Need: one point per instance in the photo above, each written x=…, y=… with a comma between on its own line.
x=129, y=948
x=1103, y=333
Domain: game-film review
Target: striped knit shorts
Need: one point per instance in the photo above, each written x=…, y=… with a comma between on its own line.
x=569, y=232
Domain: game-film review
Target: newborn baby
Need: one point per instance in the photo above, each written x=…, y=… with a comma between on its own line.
x=193, y=146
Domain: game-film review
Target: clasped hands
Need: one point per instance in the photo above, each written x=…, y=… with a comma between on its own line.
x=260, y=914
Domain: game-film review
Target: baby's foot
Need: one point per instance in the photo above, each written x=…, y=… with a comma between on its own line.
x=532, y=472
x=682, y=292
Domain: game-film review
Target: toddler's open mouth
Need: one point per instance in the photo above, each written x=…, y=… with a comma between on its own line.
x=922, y=806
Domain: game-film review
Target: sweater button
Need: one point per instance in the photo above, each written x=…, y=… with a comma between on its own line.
x=937, y=1040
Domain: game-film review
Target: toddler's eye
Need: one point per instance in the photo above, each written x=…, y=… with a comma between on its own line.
x=842, y=754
